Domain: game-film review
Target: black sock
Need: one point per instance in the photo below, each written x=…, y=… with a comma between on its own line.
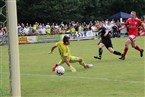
x=117, y=53
x=100, y=52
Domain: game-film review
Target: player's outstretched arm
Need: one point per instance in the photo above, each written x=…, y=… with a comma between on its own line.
x=67, y=60
x=122, y=27
x=106, y=33
x=52, y=49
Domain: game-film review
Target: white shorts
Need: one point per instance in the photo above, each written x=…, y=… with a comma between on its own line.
x=132, y=38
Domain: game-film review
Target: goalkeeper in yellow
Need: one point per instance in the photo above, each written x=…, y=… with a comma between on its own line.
x=65, y=55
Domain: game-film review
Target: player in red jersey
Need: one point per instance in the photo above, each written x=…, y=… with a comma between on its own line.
x=132, y=24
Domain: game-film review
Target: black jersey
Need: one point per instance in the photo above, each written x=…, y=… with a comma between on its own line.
x=106, y=40
x=102, y=32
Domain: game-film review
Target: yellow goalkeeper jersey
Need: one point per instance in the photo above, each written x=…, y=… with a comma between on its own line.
x=63, y=50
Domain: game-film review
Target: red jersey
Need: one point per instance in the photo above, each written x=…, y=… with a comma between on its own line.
x=132, y=26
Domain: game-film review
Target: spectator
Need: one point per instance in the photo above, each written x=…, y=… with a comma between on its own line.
x=1, y=31
x=43, y=30
x=26, y=31
x=48, y=30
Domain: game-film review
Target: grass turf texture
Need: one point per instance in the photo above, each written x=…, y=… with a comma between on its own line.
x=109, y=77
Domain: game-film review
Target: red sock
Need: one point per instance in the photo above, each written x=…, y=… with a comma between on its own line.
x=53, y=68
x=137, y=48
x=125, y=51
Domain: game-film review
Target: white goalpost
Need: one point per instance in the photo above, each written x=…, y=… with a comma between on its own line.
x=14, y=64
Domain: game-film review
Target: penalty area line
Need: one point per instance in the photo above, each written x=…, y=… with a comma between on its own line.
x=81, y=77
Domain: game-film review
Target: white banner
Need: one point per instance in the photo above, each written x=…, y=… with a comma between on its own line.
x=31, y=39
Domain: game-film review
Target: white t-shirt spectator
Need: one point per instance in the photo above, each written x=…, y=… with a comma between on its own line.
x=47, y=26
x=40, y=26
x=26, y=30
x=43, y=31
x=56, y=26
x=1, y=33
x=19, y=27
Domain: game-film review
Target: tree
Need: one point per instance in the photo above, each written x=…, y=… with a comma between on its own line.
x=2, y=13
x=76, y=10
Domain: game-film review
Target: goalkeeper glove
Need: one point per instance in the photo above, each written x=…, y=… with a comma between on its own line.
x=50, y=52
x=72, y=69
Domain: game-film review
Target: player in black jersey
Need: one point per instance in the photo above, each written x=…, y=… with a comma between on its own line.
x=105, y=40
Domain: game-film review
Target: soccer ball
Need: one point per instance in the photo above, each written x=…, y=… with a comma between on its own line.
x=89, y=65
x=59, y=70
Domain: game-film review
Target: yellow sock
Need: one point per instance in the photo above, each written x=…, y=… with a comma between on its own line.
x=82, y=63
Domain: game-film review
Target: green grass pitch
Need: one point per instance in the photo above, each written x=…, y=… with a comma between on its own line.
x=109, y=77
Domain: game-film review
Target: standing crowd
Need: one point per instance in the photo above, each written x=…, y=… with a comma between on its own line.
x=74, y=28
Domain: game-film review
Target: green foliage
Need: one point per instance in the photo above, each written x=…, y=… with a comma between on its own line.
x=77, y=10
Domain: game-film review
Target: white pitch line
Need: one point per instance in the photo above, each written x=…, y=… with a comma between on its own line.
x=81, y=77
